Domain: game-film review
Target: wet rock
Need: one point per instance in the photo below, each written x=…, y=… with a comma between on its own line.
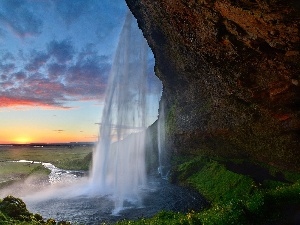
x=230, y=71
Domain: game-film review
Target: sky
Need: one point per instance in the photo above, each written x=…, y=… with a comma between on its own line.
x=55, y=59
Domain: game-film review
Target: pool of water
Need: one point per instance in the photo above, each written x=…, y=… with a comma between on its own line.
x=65, y=196
x=159, y=195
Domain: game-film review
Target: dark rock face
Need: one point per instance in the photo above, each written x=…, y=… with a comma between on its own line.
x=231, y=75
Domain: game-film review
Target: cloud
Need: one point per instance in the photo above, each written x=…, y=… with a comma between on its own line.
x=89, y=52
x=7, y=56
x=71, y=11
x=3, y=77
x=59, y=131
x=56, y=66
x=38, y=59
x=55, y=59
x=53, y=77
x=7, y=68
x=19, y=76
x=87, y=78
x=11, y=102
x=16, y=17
x=57, y=75
x=39, y=87
x=62, y=51
x=56, y=70
x=6, y=84
x=35, y=90
x=2, y=33
x=46, y=82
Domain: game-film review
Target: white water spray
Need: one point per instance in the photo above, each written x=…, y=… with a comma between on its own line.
x=119, y=158
x=163, y=168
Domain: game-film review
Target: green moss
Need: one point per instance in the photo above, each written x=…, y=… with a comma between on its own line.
x=255, y=204
x=235, y=198
x=185, y=170
x=167, y=218
x=289, y=194
x=271, y=184
x=231, y=213
x=218, y=184
x=290, y=176
x=213, y=180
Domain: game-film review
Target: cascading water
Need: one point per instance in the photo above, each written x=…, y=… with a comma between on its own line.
x=119, y=158
x=160, y=139
x=163, y=168
x=118, y=168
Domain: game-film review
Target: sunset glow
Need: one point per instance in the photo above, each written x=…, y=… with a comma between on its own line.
x=22, y=140
x=33, y=125
x=55, y=59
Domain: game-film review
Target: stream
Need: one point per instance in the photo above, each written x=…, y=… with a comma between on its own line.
x=57, y=175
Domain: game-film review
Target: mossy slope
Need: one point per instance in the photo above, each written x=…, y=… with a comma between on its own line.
x=235, y=198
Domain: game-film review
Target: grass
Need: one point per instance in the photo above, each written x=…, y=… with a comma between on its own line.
x=63, y=157
x=13, y=210
x=79, y=162
x=235, y=198
x=76, y=158
x=230, y=185
x=11, y=172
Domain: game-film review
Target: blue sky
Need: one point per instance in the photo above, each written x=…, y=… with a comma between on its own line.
x=55, y=58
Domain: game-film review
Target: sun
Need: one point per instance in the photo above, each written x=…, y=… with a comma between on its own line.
x=22, y=140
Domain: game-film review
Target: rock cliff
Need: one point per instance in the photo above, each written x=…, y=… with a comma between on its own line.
x=231, y=75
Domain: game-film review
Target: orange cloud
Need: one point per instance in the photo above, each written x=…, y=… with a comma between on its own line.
x=11, y=102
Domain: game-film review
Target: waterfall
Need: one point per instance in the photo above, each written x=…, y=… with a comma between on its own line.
x=163, y=168
x=119, y=158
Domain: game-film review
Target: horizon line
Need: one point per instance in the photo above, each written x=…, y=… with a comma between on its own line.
x=51, y=143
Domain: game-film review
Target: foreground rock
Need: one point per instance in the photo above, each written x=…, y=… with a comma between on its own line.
x=231, y=75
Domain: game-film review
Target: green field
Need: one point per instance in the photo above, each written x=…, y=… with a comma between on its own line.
x=75, y=158
x=60, y=156
x=11, y=172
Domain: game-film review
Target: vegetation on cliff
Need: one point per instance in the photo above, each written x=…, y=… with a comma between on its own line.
x=237, y=195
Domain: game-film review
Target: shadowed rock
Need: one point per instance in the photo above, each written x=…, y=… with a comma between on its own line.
x=231, y=74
